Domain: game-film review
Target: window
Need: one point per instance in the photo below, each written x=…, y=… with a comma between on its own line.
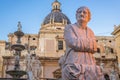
x=110, y=41
x=96, y=40
x=33, y=38
x=33, y=47
x=98, y=50
x=58, y=28
x=112, y=51
x=60, y=45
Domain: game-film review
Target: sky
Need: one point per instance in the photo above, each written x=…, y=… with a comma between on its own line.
x=31, y=14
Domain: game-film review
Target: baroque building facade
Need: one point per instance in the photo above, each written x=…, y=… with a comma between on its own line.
x=116, y=34
x=49, y=45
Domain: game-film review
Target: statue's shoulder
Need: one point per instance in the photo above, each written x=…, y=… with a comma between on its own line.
x=90, y=30
x=69, y=26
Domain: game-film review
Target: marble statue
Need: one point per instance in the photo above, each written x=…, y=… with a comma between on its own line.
x=102, y=66
x=36, y=67
x=28, y=65
x=114, y=75
x=28, y=61
x=33, y=66
x=80, y=47
x=19, y=26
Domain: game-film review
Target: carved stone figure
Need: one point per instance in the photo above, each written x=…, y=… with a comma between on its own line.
x=102, y=66
x=19, y=26
x=80, y=47
x=114, y=75
x=28, y=65
x=28, y=61
x=36, y=67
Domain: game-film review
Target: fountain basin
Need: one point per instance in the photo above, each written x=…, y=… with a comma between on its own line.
x=19, y=33
x=18, y=47
x=16, y=73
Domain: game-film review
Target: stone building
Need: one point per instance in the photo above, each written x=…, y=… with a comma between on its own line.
x=116, y=34
x=49, y=45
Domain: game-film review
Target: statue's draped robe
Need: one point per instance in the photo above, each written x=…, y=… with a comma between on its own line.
x=36, y=69
x=80, y=63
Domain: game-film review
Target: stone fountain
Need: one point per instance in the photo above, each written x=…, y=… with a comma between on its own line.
x=16, y=73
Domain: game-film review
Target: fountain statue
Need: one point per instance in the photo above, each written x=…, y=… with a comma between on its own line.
x=33, y=66
x=28, y=66
x=18, y=47
x=114, y=75
x=36, y=67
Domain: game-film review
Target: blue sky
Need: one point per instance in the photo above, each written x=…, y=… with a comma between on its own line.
x=31, y=13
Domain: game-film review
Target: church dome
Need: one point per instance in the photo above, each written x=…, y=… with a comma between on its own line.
x=56, y=15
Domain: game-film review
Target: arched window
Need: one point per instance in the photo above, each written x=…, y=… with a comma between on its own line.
x=111, y=50
x=98, y=50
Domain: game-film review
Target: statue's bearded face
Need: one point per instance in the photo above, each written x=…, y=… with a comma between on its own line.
x=82, y=15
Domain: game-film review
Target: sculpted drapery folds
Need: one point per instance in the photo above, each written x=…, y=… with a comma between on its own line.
x=80, y=46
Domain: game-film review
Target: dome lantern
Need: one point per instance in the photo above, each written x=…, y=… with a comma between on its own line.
x=56, y=6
